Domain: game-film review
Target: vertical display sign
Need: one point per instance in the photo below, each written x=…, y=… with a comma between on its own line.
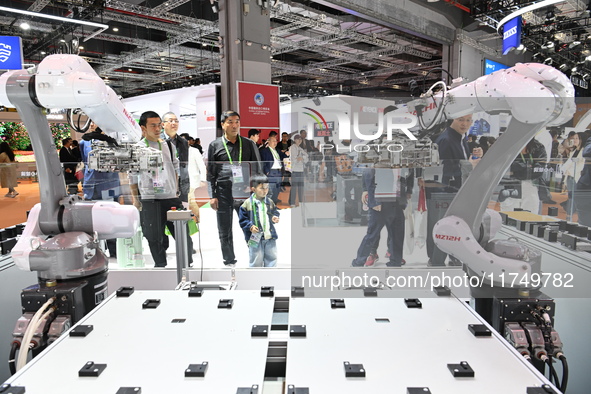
x=258, y=106
x=511, y=34
x=11, y=53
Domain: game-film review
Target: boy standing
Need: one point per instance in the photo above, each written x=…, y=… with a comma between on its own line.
x=258, y=214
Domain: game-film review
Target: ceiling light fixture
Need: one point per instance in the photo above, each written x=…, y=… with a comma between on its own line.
x=550, y=15
x=54, y=17
x=520, y=49
x=549, y=46
x=574, y=45
x=115, y=29
x=25, y=26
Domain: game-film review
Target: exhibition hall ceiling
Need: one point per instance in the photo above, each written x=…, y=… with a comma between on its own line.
x=164, y=44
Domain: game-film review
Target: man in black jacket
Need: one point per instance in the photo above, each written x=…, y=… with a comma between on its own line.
x=527, y=168
x=455, y=153
x=69, y=162
x=231, y=159
x=458, y=161
x=272, y=167
x=582, y=193
x=170, y=123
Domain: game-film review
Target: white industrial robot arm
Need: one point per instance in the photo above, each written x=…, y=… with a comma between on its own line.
x=66, y=81
x=536, y=96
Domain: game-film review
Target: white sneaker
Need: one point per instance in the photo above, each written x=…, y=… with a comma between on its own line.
x=231, y=265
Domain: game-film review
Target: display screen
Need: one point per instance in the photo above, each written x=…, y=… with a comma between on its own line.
x=11, y=53
x=491, y=66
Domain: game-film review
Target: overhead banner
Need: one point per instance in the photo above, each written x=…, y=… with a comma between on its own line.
x=258, y=106
x=11, y=53
x=511, y=34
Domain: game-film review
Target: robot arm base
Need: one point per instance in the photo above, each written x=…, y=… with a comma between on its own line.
x=513, y=261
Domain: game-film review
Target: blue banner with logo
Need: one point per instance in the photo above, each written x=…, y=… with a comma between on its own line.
x=11, y=53
x=511, y=34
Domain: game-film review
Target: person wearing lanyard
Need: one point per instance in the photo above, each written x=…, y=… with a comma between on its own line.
x=170, y=124
x=272, y=166
x=258, y=214
x=455, y=153
x=525, y=170
x=458, y=162
x=231, y=159
x=155, y=192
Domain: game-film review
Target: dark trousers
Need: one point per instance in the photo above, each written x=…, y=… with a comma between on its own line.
x=437, y=203
x=153, y=218
x=274, y=177
x=297, y=187
x=71, y=182
x=184, y=189
x=391, y=216
x=582, y=200
x=225, y=215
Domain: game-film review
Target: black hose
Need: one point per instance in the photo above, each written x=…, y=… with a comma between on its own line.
x=12, y=358
x=564, y=374
x=77, y=127
x=432, y=70
x=549, y=373
x=553, y=373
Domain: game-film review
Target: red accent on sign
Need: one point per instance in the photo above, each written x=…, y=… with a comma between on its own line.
x=258, y=106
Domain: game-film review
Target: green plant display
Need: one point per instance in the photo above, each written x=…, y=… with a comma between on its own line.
x=59, y=131
x=18, y=138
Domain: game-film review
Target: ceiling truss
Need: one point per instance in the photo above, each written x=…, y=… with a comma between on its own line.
x=308, y=46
